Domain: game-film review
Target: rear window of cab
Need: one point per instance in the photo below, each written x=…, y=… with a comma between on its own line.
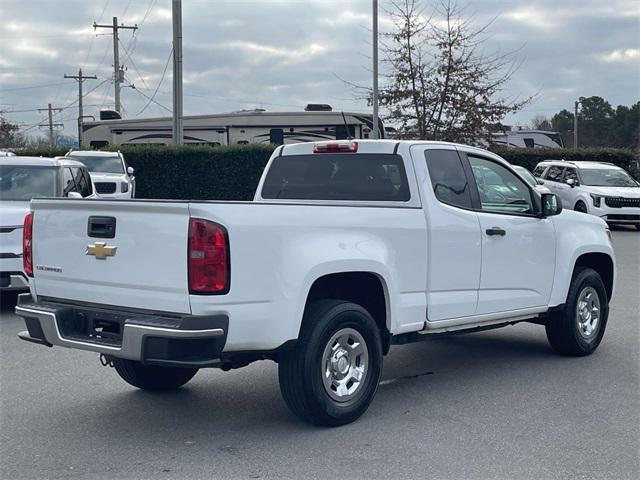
x=340, y=176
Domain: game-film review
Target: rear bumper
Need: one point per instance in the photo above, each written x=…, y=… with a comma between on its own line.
x=154, y=339
x=11, y=275
x=13, y=280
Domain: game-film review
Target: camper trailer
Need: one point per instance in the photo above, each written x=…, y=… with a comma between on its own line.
x=528, y=139
x=317, y=122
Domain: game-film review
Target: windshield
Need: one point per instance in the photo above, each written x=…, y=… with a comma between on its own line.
x=19, y=182
x=101, y=164
x=606, y=177
x=527, y=175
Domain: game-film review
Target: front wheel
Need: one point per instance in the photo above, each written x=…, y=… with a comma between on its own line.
x=151, y=377
x=578, y=328
x=332, y=374
x=580, y=207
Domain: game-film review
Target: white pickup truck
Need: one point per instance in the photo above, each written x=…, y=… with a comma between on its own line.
x=348, y=248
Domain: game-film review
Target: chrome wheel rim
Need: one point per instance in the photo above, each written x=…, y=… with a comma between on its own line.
x=588, y=312
x=345, y=364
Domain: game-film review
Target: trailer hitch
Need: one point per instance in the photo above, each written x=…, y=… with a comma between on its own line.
x=106, y=360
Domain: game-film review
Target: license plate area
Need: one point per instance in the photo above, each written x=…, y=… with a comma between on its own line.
x=95, y=326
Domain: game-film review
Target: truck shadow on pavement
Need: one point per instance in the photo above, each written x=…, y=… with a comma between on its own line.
x=248, y=400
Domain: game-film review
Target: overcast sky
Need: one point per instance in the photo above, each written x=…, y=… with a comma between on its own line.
x=282, y=54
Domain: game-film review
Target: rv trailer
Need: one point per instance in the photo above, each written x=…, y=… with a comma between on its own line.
x=528, y=139
x=244, y=127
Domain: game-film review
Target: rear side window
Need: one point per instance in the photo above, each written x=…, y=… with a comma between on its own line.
x=68, y=181
x=539, y=170
x=570, y=173
x=340, y=176
x=555, y=174
x=83, y=182
x=448, y=179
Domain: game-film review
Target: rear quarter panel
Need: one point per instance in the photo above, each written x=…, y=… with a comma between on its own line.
x=278, y=251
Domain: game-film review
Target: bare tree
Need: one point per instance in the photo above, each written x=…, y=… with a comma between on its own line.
x=540, y=122
x=441, y=84
x=9, y=133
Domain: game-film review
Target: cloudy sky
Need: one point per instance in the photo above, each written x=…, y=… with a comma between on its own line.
x=282, y=54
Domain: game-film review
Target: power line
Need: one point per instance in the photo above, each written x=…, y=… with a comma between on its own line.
x=135, y=67
x=93, y=37
x=118, y=73
x=133, y=41
x=46, y=85
x=61, y=108
x=151, y=99
x=52, y=125
x=80, y=78
x=166, y=65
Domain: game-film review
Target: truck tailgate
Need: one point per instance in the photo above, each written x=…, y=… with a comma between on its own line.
x=143, y=266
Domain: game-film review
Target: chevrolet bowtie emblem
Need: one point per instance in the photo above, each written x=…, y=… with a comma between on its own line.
x=100, y=250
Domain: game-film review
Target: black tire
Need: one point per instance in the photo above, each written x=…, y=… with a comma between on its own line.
x=151, y=377
x=301, y=370
x=580, y=207
x=563, y=327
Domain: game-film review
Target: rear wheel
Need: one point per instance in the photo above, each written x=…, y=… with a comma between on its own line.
x=332, y=375
x=578, y=329
x=580, y=207
x=151, y=377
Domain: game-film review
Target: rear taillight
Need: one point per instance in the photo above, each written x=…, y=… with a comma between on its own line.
x=208, y=257
x=27, y=245
x=336, y=147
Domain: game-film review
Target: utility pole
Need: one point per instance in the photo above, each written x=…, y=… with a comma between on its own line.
x=118, y=72
x=178, y=127
x=80, y=78
x=575, y=124
x=51, y=125
x=376, y=133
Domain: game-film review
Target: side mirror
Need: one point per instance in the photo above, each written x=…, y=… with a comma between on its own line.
x=74, y=195
x=571, y=182
x=539, y=181
x=551, y=205
x=130, y=170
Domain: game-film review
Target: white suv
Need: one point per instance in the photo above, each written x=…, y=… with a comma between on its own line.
x=110, y=174
x=601, y=189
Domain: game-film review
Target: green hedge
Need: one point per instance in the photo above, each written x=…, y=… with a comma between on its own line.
x=198, y=173
x=233, y=172
x=530, y=157
x=190, y=172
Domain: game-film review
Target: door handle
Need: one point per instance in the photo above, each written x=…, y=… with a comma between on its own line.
x=496, y=231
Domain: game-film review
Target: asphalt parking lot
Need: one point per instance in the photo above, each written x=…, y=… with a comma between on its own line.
x=496, y=404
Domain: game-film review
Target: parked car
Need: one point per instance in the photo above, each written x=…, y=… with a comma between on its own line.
x=109, y=171
x=349, y=247
x=536, y=183
x=24, y=178
x=601, y=189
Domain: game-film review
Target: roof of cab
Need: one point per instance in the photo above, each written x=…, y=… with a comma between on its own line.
x=383, y=146
x=40, y=161
x=580, y=164
x=92, y=153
